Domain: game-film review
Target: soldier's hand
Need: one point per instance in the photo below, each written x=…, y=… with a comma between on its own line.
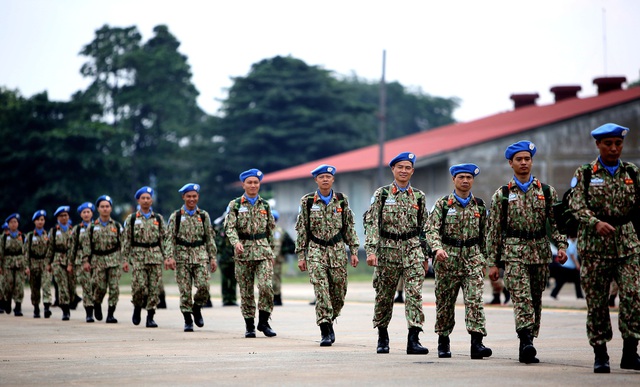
x=27, y=271
x=354, y=260
x=605, y=229
x=70, y=269
x=441, y=255
x=494, y=273
x=562, y=257
x=214, y=265
x=372, y=260
x=302, y=265
x=48, y=268
x=86, y=267
x=125, y=267
x=239, y=248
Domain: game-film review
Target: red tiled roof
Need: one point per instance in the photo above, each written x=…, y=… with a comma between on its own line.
x=456, y=136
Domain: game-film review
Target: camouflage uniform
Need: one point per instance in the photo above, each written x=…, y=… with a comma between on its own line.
x=13, y=263
x=226, y=265
x=101, y=248
x=145, y=253
x=464, y=265
x=39, y=278
x=252, y=226
x=330, y=227
x=526, y=258
x=606, y=258
x=397, y=257
x=193, y=248
x=59, y=258
x=82, y=277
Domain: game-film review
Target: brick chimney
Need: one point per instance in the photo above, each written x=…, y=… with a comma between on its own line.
x=565, y=92
x=522, y=100
x=606, y=84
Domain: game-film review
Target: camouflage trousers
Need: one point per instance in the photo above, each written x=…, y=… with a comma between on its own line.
x=188, y=276
x=145, y=285
x=277, y=275
x=66, y=283
x=447, y=287
x=385, y=281
x=247, y=272
x=39, y=282
x=526, y=284
x=228, y=281
x=330, y=288
x=84, y=279
x=108, y=277
x=596, y=275
x=13, y=284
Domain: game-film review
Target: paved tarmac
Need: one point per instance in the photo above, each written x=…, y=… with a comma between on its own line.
x=54, y=352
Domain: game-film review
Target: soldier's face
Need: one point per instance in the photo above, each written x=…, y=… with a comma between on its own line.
x=610, y=149
x=104, y=209
x=86, y=214
x=63, y=218
x=521, y=163
x=191, y=200
x=325, y=181
x=13, y=225
x=463, y=182
x=402, y=172
x=251, y=186
x=145, y=202
x=39, y=222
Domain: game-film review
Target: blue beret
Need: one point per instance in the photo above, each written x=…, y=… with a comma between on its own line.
x=5, y=225
x=14, y=215
x=62, y=209
x=404, y=156
x=464, y=168
x=144, y=190
x=38, y=214
x=324, y=168
x=84, y=205
x=251, y=173
x=276, y=214
x=104, y=198
x=189, y=187
x=520, y=146
x=609, y=130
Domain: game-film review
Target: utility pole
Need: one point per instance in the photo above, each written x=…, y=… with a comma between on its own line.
x=382, y=121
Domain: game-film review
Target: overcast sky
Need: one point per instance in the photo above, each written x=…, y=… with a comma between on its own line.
x=478, y=51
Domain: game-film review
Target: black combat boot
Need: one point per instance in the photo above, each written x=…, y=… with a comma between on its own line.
x=36, y=311
x=630, y=359
x=251, y=328
x=17, y=311
x=383, y=340
x=136, y=318
x=208, y=304
x=150, y=322
x=507, y=296
x=478, y=350
x=47, y=309
x=7, y=306
x=188, y=322
x=162, y=303
x=66, y=314
x=1, y=305
x=97, y=308
x=332, y=334
x=89, y=310
x=444, y=350
x=399, y=299
x=74, y=302
x=277, y=300
x=197, y=315
x=601, y=362
x=110, y=319
x=325, y=341
x=413, y=342
x=263, y=323
x=496, y=299
x=527, y=352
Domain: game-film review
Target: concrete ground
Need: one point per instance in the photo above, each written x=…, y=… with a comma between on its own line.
x=54, y=352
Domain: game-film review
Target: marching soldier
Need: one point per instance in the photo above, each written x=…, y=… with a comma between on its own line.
x=397, y=216
x=36, y=244
x=249, y=225
x=101, y=254
x=517, y=236
x=85, y=210
x=455, y=231
x=59, y=261
x=324, y=226
x=606, y=199
x=143, y=248
x=13, y=264
x=190, y=248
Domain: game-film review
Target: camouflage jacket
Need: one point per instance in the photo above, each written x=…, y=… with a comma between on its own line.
x=35, y=246
x=527, y=212
x=11, y=251
x=194, y=243
x=251, y=225
x=461, y=224
x=325, y=222
x=609, y=196
x=225, y=249
x=149, y=239
x=399, y=216
x=101, y=246
x=75, y=251
x=58, y=251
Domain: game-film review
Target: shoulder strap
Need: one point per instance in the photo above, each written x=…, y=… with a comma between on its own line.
x=29, y=239
x=586, y=179
x=203, y=218
x=483, y=214
x=445, y=211
x=383, y=198
x=134, y=216
x=308, y=206
x=340, y=197
x=177, y=216
x=505, y=208
x=546, y=191
x=91, y=237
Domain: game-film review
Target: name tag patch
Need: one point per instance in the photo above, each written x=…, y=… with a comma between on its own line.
x=513, y=197
x=596, y=181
